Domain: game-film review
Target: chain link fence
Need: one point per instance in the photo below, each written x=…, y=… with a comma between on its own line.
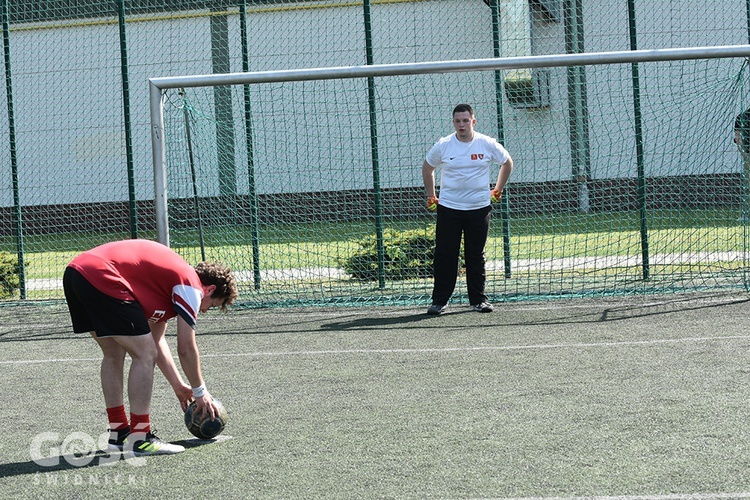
x=78, y=170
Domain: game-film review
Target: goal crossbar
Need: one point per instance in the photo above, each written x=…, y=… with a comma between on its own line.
x=502, y=63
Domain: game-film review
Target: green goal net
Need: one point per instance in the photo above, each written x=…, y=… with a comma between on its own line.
x=627, y=180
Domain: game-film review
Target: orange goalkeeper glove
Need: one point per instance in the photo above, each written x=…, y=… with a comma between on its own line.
x=432, y=203
x=495, y=195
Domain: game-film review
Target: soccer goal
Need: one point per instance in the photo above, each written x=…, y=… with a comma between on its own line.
x=307, y=182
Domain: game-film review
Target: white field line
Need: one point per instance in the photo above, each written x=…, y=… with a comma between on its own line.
x=675, y=496
x=594, y=262
x=340, y=352
x=430, y=350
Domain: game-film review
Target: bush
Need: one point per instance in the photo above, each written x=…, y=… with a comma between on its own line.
x=408, y=255
x=9, y=275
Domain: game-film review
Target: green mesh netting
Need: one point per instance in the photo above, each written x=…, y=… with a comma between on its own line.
x=320, y=178
x=286, y=202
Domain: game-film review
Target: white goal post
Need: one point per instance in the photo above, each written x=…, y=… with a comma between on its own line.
x=157, y=86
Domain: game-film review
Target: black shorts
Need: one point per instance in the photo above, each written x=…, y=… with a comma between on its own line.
x=94, y=311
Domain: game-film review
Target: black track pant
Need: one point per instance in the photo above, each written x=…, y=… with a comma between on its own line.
x=474, y=225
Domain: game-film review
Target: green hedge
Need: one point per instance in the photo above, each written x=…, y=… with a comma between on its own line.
x=9, y=275
x=408, y=255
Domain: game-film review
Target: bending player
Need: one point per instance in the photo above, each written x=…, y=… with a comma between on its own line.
x=123, y=293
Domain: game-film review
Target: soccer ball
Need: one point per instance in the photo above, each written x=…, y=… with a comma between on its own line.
x=203, y=427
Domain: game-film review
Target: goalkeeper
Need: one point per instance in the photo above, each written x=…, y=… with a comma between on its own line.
x=464, y=206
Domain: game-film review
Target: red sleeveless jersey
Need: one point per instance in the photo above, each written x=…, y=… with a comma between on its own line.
x=147, y=272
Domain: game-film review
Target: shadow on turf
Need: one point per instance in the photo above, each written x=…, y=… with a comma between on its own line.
x=656, y=308
x=58, y=463
x=602, y=313
x=67, y=462
x=378, y=321
x=195, y=442
x=597, y=313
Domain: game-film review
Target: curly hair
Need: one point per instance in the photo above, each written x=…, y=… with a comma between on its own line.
x=221, y=276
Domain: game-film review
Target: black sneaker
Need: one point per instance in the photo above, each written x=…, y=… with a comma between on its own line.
x=483, y=307
x=117, y=439
x=152, y=445
x=436, y=310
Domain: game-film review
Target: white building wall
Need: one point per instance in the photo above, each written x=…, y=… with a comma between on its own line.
x=69, y=124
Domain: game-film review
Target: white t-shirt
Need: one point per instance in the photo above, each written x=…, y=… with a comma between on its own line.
x=465, y=176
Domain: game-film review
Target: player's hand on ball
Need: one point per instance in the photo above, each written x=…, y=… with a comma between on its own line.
x=206, y=406
x=432, y=203
x=495, y=195
x=184, y=394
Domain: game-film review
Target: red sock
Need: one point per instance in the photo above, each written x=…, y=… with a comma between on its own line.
x=118, y=419
x=140, y=423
